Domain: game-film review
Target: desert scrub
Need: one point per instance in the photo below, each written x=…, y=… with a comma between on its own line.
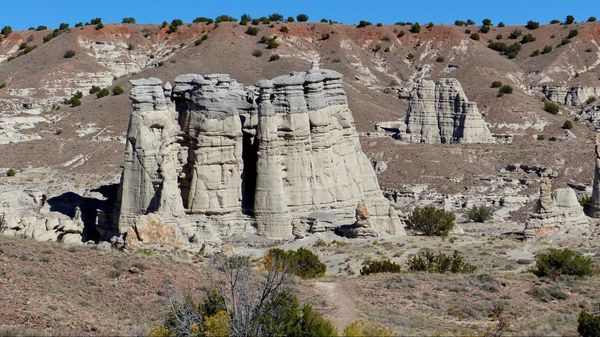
x=505, y=89
x=69, y=54
x=11, y=173
x=480, y=213
x=567, y=125
x=496, y=84
x=429, y=262
x=557, y=262
x=253, y=31
x=118, y=90
x=302, y=262
x=588, y=325
x=364, y=329
x=551, y=107
x=383, y=266
x=102, y=93
x=274, y=57
x=430, y=220
x=257, y=53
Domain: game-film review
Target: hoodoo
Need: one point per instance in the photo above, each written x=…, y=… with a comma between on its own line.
x=213, y=157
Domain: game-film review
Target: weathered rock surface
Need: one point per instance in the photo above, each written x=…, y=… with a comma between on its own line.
x=572, y=96
x=151, y=229
x=214, y=157
x=556, y=210
x=441, y=113
x=593, y=207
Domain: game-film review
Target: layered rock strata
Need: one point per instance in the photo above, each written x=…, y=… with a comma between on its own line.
x=593, y=207
x=216, y=158
x=572, y=96
x=558, y=209
x=441, y=113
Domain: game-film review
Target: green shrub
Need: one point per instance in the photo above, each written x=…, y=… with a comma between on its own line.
x=573, y=33
x=416, y=28
x=429, y=25
x=99, y=26
x=94, y=89
x=565, y=41
x=118, y=90
x=480, y=213
x=547, y=295
x=588, y=325
x=383, y=266
x=484, y=29
x=514, y=34
x=69, y=53
x=551, y=107
x=325, y=36
x=377, y=47
x=41, y=28
x=569, y=19
x=11, y=173
x=499, y=37
x=274, y=57
x=513, y=50
x=584, y=200
x=202, y=19
x=563, y=262
x=591, y=19
x=531, y=25
x=401, y=34
x=467, y=31
x=501, y=24
x=225, y=18
x=486, y=22
x=6, y=30
x=554, y=21
x=252, y=30
x=290, y=19
x=546, y=49
x=276, y=17
x=475, y=36
x=429, y=262
x=459, y=23
x=366, y=329
x=535, y=53
x=590, y=100
x=506, y=89
x=128, y=20
x=301, y=262
x=284, y=29
x=74, y=101
x=567, y=125
x=439, y=59
x=102, y=93
x=527, y=38
x=272, y=43
x=431, y=221
x=302, y=17
x=470, y=22
x=496, y=84
x=245, y=19
x=257, y=53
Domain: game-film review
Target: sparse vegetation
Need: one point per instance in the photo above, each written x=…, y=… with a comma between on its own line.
x=557, y=262
x=430, y=220
x=439, y=59
x=496, y=84
x=573, y=33
x=486, y=22
x=11, y=172
x=567, y=125
x=569, y=19
x=274, y=57
x=202, y=19
x=383, y=266
x=69, y=53
x=252, y=30
x=475, y=36
x=302, y=17
x=590, y=100
x=591, y=19
x=510, y=51
x=531, y=25
x=551, y=107
x=224, y=18
x=588, y=325
x=535, y=53
x=480, y=213
x=102, y=93
x=484, y=29
x=301, y=262
x=257, y=53
x=501, y=24
x=427, y=261
x=527, y=38
x=506, y=89
x=546, y=49
x=6, y=30
x=128, y=20
x=366, y=329
x=565, y=41
x=325, y=36
x=118, y=90
x=416, y=28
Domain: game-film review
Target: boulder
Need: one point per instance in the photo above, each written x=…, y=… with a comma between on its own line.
x=151, y=229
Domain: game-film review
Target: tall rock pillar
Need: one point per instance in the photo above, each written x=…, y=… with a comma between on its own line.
x=593, y=208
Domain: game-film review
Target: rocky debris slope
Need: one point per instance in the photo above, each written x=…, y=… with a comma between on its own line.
x=213, y=157
x=556, y=210
x=572, y=96
x=440, y=113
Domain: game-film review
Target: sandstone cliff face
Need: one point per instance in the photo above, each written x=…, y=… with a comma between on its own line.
x=572, y=96
x=441, y=113
x=210, y=153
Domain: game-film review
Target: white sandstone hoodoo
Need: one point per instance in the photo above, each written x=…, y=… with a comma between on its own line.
x=215, y=158
x=441, y=113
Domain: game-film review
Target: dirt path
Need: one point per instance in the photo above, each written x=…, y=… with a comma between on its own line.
x=342, y=310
